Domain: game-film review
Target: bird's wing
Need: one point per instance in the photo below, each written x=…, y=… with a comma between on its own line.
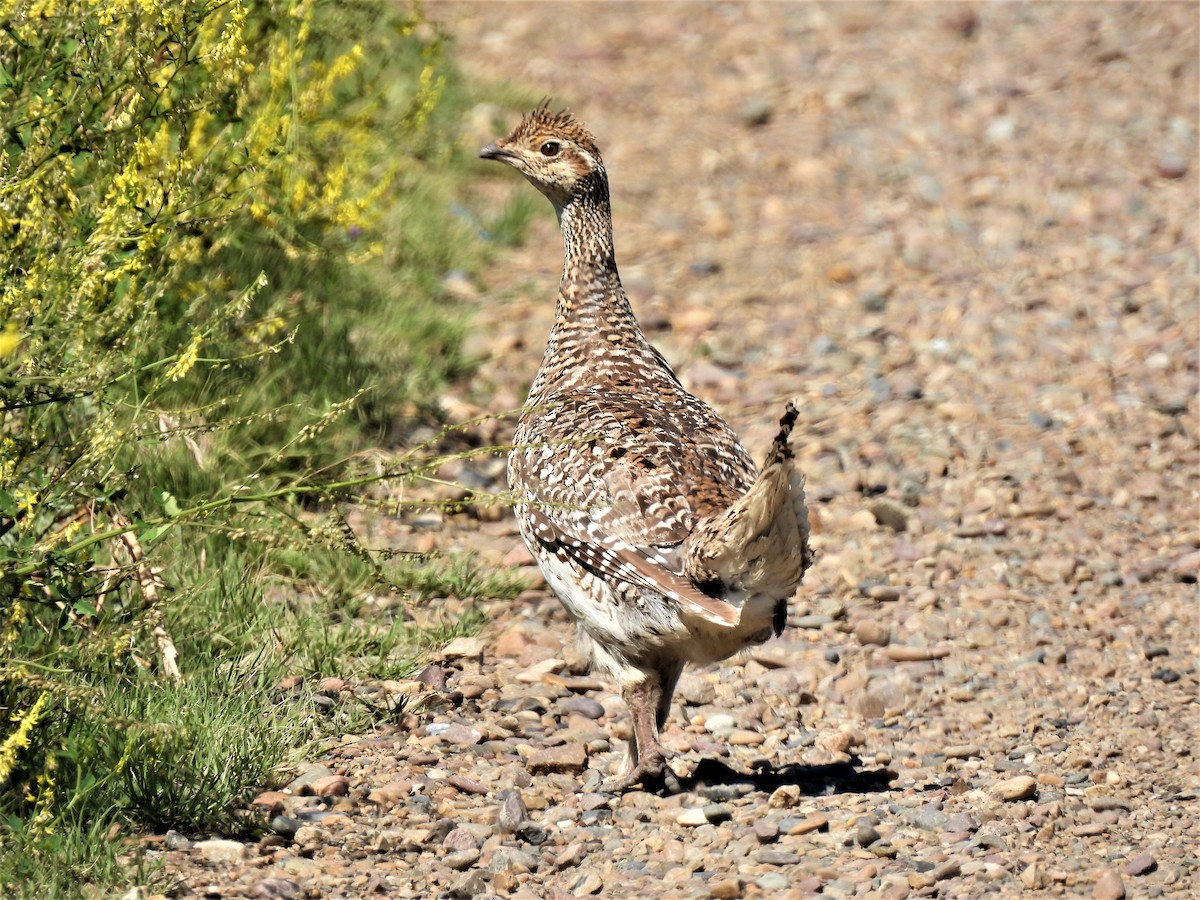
x=616, y=484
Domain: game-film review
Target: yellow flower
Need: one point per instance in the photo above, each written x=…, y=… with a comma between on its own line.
x=10, y=340
x=19, y=739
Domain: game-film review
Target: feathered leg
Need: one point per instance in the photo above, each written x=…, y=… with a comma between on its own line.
x=649, y=700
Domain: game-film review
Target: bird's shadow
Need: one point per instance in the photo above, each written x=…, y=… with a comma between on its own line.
x=816, y=780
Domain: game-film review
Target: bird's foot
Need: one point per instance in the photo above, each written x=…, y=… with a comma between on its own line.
x=651, y=772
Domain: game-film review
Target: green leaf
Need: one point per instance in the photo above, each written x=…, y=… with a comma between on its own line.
x=167, y=501
x=155, y=533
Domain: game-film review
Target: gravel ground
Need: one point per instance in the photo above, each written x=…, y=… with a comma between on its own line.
x=965, y=237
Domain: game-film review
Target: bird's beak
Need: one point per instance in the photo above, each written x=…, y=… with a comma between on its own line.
x=492, y=151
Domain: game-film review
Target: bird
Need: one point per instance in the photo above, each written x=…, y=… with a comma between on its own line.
x=646, y=515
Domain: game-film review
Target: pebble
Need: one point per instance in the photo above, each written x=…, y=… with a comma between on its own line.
x=742, y=737
x=302, y=784
x=587, y=883
x=755, y=112
x=331, y=786
x=1020, y=787
x=717, y=812
x=460, y=735
x=866, y=835
x=463, y=648
x=962, y=822
x=692, y=817
x=583, y=706
x=766, y=830
x=905, y=653
x=1108, y=886
x=563, y=758
x=871, y=632
x=460, y=860
x=1142, y=864
x=719, y=722
x=221, y=851
x=773, y=857
x=962, y=751
x=813, y=822
x=173, y=840
x=512, y=813
x=727, y=888
x=784, y=796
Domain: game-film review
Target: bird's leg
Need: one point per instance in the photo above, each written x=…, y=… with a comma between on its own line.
x=649, y=703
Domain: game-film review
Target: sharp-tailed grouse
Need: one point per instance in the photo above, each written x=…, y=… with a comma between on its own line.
x=637, y=500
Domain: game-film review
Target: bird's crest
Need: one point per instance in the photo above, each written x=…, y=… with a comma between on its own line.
x=543, y=122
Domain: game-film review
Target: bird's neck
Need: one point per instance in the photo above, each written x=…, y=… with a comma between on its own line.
x=593, y=322
x=591, y=285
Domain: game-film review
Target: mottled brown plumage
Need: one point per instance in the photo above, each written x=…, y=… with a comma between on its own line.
x=647, y=516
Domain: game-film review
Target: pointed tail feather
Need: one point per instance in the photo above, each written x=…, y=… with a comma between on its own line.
x=759, y=544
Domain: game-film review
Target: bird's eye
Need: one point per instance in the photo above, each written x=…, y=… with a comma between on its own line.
x=550, y=148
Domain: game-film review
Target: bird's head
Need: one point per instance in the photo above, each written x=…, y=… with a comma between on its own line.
x=555, y=152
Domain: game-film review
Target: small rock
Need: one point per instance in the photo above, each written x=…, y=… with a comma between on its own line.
x=962, y=822
x=773, y=883
x=905, y=653
x=1142, y=864
x=283, y=888
x=570, y=856
x=467, y=785
x=468, y=885
x=929, y=818
x=570, y=758
x=1108, y=886
x=461, y=735
x=221, y=851
x=461, y=860
x=756, y=112
x=766, y=830
x=743, y=737
x=331, y=786
x=463, y=648
x=1033, y=876
x=310, y=837
x=775, y=857
x=962, y=751
x=587, y=883
x=870, y=632
x=784, y=796
x=301, y=785
x=696, y=690
x=583, y=706
x=692, y=817
x=460, y=839
x=532, y=833
x=865, y=835
x=719, y=722
x=717, y=812
x=813, y=822
x=890, y=514
x=1020, y=787
x=512, y=811
x=727, y=888
x=285, y=826
x=391, y=793
x=1171, y=164
x=173, y=840
x=538, y=671
x=434, y=676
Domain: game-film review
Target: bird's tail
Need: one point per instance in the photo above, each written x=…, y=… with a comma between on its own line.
x=759, y=545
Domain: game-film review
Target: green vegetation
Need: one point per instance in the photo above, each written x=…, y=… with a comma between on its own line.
x=224, y=227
